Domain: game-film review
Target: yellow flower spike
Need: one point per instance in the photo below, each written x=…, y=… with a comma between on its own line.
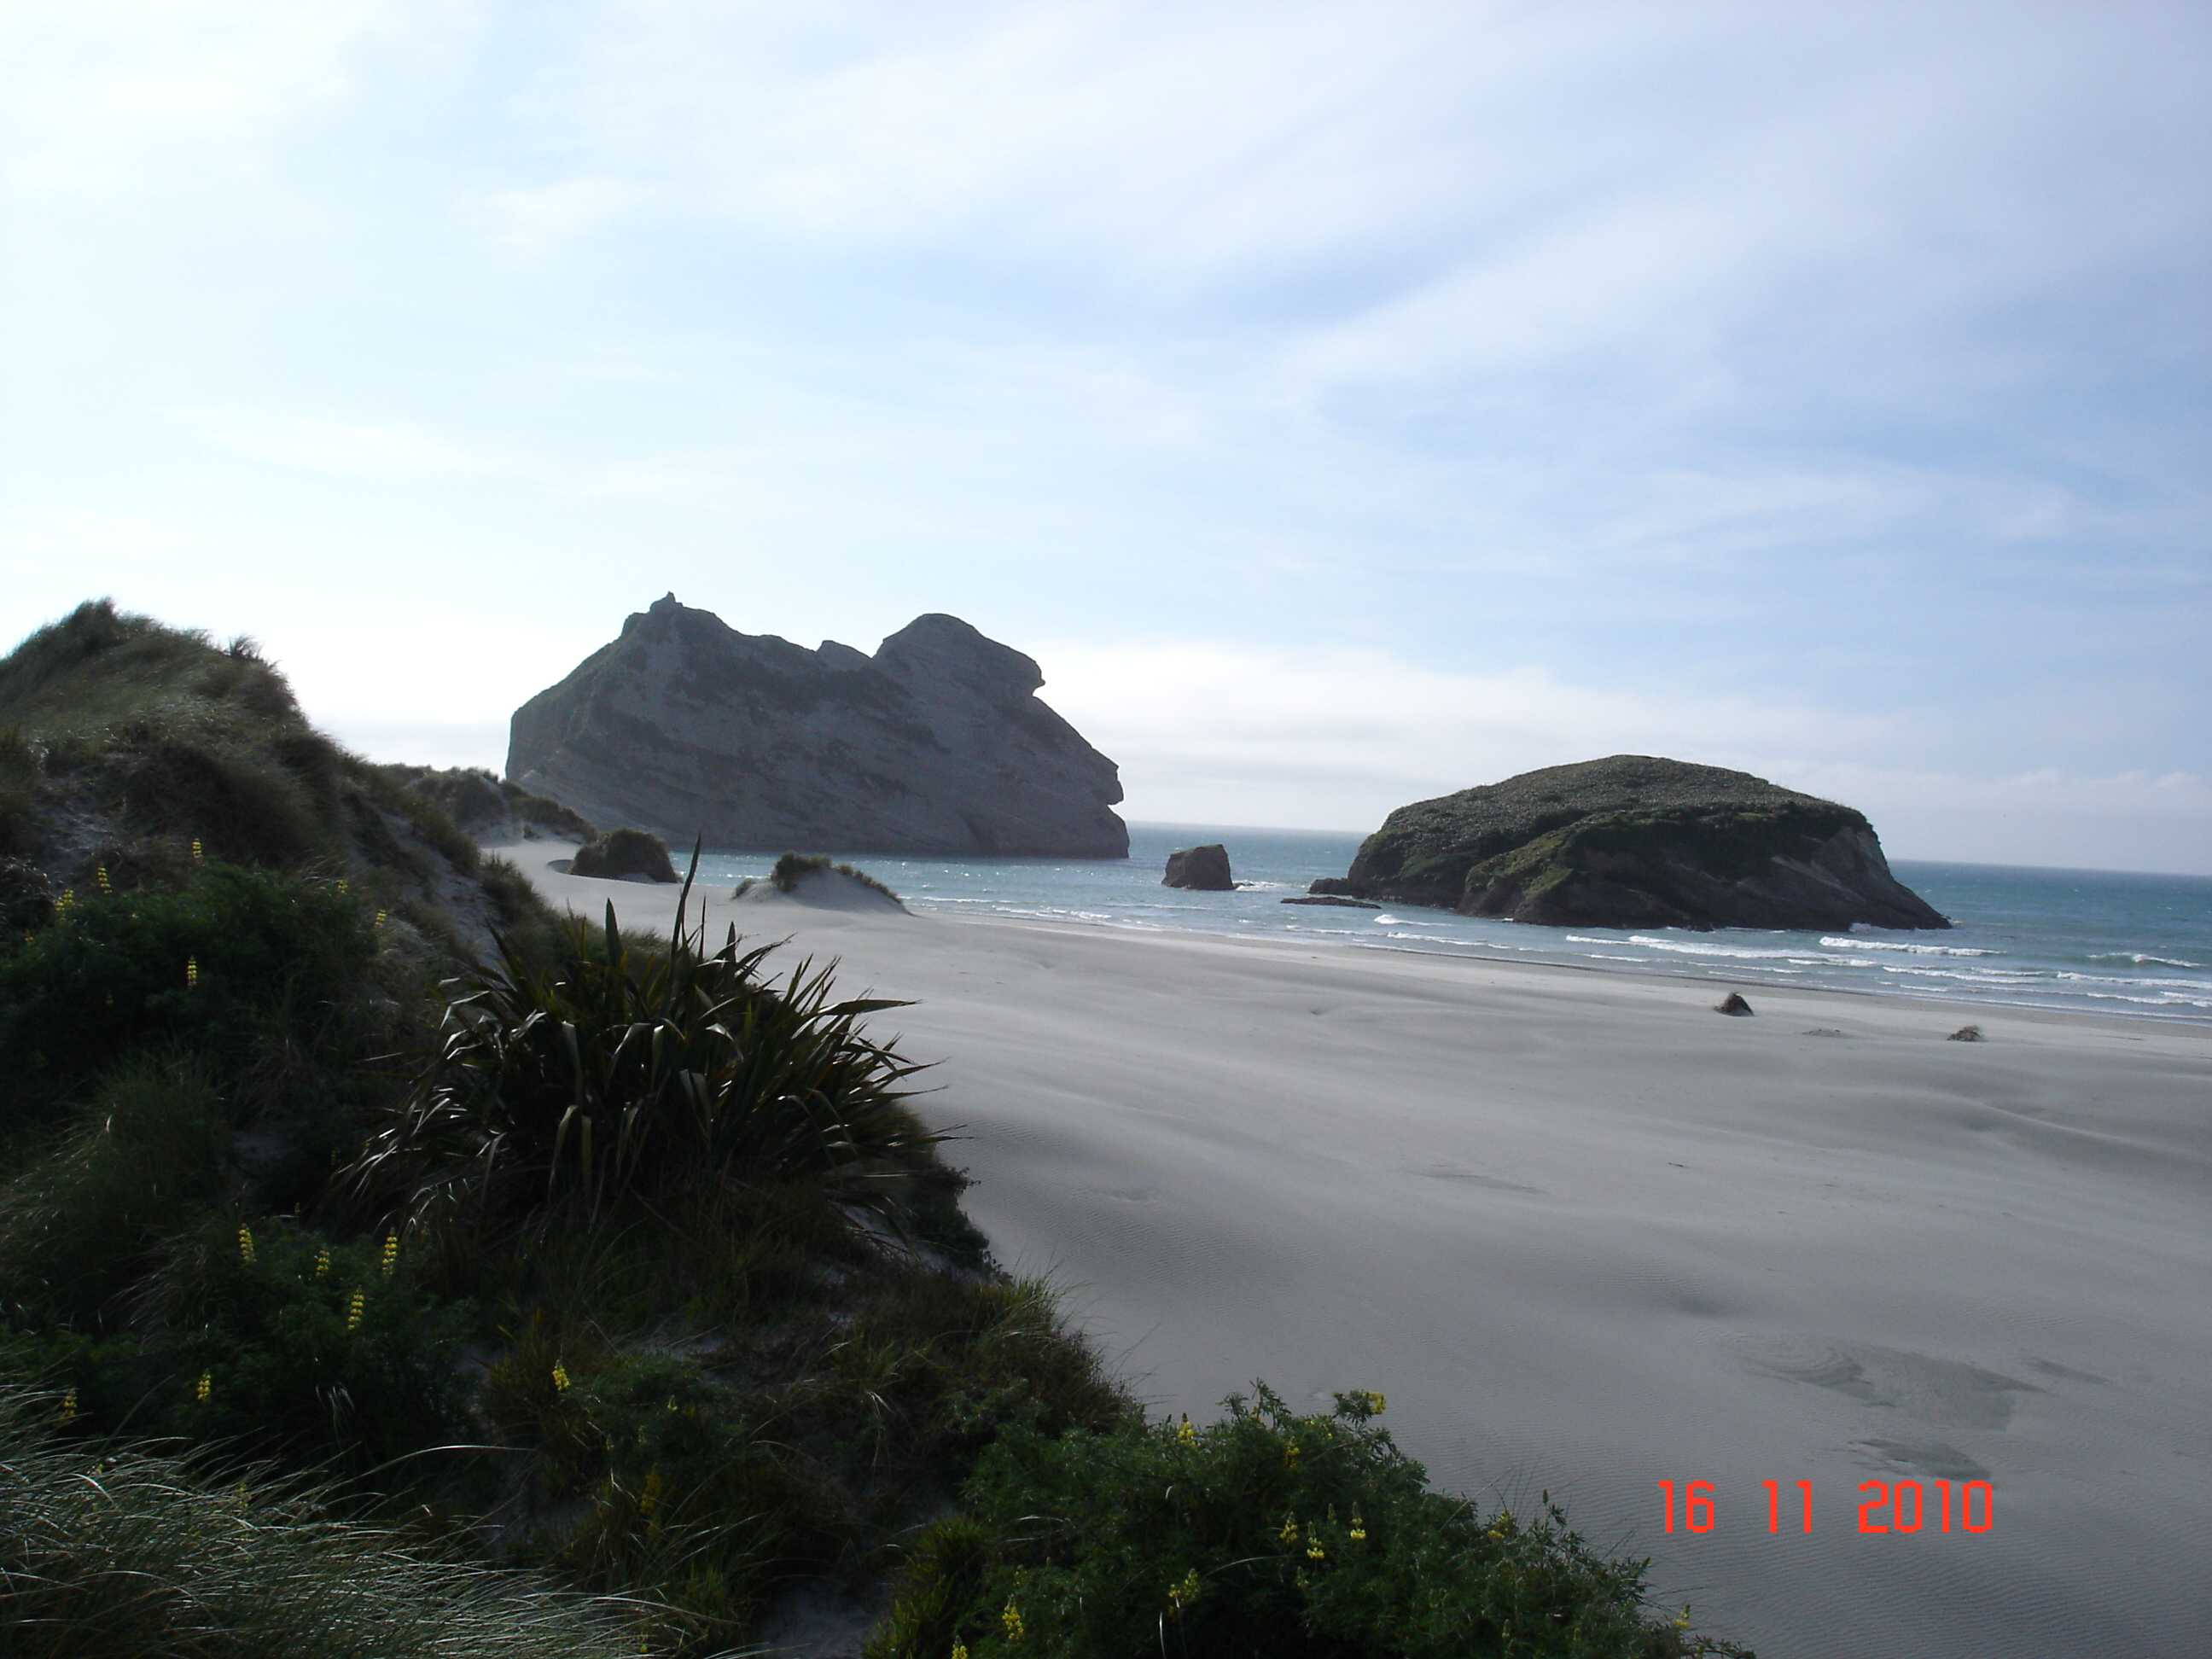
x=205, y=1388
x=196, y=854
x=66, y=901
x=1358, y=1529
x=342, y=888
x=560, y=1378
x=959, y=1650
x=355, y=1308
x=1289, y=1534
x=192, y=972
x=1314, y=1551
x=69, y=1407
x=323, y=1263
x=379, y=919
x=1182, y=1595
x=100, y=875
x=245, y=1245
x=391, y=1253
x=1291, y=1455
x=1011, y=1619
x=1376, y=1402
x=1682, y=1619
x=1187, y=1435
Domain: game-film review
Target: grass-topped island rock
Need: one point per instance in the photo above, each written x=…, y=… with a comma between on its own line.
x=1636, y=841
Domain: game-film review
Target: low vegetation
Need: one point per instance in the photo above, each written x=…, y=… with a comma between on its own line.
x=791, y=868
x=389, y=1266
x=486, y=806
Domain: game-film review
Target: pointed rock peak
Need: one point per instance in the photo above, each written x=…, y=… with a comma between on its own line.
x=937, y=644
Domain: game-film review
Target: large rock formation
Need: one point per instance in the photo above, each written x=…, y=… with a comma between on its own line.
x=937, y=743
x=1637, y=841
x=1203, y=869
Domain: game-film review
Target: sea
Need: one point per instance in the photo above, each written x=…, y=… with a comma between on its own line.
x=2091, y=940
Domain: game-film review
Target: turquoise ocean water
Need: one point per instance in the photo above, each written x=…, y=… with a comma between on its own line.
x=2086, y=939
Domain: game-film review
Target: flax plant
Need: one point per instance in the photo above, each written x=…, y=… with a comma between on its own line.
x=601, y=1079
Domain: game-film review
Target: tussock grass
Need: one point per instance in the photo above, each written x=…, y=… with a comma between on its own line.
x=791, y=868
x=80, y=1220
x=118, y=1548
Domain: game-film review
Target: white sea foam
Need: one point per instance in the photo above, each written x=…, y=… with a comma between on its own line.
x=1898, y=945
x=1732, y=953
x=2164, y=999
x=2157, y=984
x=2141, y=960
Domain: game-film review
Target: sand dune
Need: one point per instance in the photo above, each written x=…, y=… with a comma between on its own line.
x=1587, y=1235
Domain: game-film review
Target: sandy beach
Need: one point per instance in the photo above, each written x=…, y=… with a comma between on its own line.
x=1586, y=1235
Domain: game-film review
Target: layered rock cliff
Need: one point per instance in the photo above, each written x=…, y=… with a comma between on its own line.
x=1635, y=841
x=937, y=743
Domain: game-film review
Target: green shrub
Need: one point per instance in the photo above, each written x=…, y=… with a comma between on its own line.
x=18, y=784
x=276, y=1338
x=118, y=1549
x=252, y=970
x=80, y=1221
x=1265, y=1533
x=604, y=1076
x=624, y=853
x=792, y=868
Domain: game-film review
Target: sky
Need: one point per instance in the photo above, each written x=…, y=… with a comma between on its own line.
x=1344, y=405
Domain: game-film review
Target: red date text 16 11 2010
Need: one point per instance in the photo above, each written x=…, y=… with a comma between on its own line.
x=1892, y=1506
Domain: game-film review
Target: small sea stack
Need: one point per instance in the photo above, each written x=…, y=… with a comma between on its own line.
x=1201, y=869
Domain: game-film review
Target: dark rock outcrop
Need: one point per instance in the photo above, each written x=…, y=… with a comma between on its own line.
x=1331, y=898
x=937, y=743
x=1732, y=1003
x=624, y=855
x=1203, y=869
x=1635, y=841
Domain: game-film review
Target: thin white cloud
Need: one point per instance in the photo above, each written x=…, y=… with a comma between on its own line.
x=539, y=220
x=348, y=449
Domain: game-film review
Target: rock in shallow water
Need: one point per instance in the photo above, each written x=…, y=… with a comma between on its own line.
x=1636, y=841
x=1203, y=869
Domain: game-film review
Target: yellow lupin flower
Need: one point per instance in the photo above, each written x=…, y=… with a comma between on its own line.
x=1289, y=1534
x=1314, y=1551
x=959, y=1650
x=1376, y=1402
x=66, y=903
x=560, y=1378
x=1291, y=1455
x=1011, y=1619
x=1682, y=1619
x=101, y=876
x=205, y=1388
x=355, y=1305
x=342, y=888
x=1187, y=1435
x=1182, y=1595
x=196, y=854
x=1358, y=1529
x=323, y=1263
x=379, y=919
x=69, y=1407
x=192, y=972
x=391, y=1253
x=245, y=1245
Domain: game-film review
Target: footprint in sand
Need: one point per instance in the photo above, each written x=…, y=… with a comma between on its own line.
x=1945, y=1393
x=1930, y=1458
